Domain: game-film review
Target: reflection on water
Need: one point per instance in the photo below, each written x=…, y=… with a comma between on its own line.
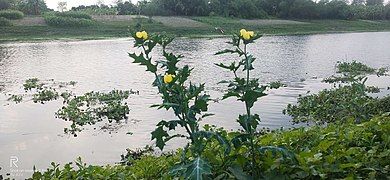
x=32, y=133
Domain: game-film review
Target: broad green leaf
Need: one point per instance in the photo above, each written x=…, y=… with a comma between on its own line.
x=197, y=169
x=159, y=134
x=239, y=173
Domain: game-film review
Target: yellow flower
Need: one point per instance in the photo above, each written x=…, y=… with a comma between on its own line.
x=246, y=34
x=168, y=78
x=142, y=35
x=242, y=32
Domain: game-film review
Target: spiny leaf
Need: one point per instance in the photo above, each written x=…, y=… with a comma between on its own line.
x=238, y=51
x=159, y=134
x=140, y=59
x=197, y=168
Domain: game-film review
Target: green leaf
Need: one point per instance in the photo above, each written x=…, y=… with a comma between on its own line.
x=159, y=134
x=197, y=169
x=249, y=123
x=278, y=150
x=170, y=63
x=140, y=59
x=251, y=96
x=221, y=139
x=238, y=51
x=248, y=63
x=239, y=173
x=239, y=140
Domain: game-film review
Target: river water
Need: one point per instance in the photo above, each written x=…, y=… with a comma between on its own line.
x=31, y=133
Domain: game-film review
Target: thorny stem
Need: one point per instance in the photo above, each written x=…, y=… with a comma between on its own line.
x=183, y=117
x=248, y=109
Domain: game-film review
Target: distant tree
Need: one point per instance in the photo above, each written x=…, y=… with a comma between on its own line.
x=4, y=4
x=117, y=1
x=126, y=8
x=376, y=12
x=387, y=11
x=358, y=2
x=358, y=11
x=33, y=7
x=99, y=3
x=62, y=6
x=374, y=2
x=304, y=9
x=246, y=9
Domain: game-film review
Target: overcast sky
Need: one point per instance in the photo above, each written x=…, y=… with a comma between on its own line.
x=72, y=3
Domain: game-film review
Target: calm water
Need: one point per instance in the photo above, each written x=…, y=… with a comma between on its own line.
x=32, y=133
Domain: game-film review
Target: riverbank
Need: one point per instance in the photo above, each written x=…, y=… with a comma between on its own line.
x=193, y=27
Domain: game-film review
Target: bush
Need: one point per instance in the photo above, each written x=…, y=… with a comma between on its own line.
x=11, y=14
x=67, y=21
x=4, y=22
x=73, y=14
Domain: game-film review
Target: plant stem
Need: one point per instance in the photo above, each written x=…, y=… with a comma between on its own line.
x=248, y=111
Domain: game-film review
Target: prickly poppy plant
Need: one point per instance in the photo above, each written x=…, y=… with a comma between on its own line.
x=248, y=90
x=188, y=101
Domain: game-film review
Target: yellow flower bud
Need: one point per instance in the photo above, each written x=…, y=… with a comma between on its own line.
x=251, y=33
x=138, y=35
x=142, y=35
x=246, y=34
x=242, y=32
x=168, y=78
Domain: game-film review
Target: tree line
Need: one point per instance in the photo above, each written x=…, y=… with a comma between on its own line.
x=294, y=9
x=30, y=7
x=288, y=9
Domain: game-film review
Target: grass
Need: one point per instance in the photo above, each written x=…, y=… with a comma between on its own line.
x=111, y=28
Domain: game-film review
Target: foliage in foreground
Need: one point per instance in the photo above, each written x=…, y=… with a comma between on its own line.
x=348, y=150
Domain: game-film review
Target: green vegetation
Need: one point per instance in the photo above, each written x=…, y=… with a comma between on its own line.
x=121, y=28
x=68, y=19
x=29, y=7
x=87, y=109
x=67, y=22
x=11, y=14
x=93, y=107
x=187, y=100
x=98, y=9
x=348, y=99
x=71, y=14
x=338, y=151
x=247, y=90
x=250, y=9
x=5, y=22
